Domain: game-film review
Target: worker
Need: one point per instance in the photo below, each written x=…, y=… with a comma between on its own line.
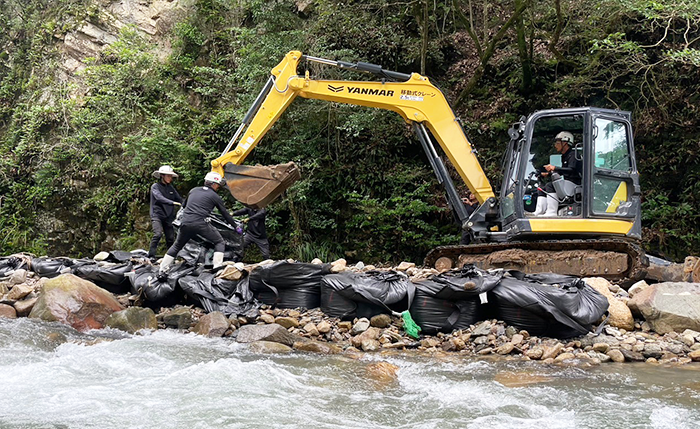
x=470, y=204
x=164, y=200
x=255, y=229
x=547, y=201
x=200, y=202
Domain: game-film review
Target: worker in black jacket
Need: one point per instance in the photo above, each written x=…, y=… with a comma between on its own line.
x=200, y=202
x=547, y=201
x=255, y=229
x=164, y=200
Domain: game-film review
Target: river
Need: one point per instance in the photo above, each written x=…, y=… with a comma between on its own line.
x=55, y=377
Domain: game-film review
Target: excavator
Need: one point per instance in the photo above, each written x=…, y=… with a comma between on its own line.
x=594, y=231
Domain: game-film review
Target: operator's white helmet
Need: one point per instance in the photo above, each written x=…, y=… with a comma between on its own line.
x=164, y=169
x=566, y=137
x=214, y=177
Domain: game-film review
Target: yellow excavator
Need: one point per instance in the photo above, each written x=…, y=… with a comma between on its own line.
x=594, y=229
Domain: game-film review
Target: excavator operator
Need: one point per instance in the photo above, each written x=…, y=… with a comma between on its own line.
x=200, y=202
x=547, y=201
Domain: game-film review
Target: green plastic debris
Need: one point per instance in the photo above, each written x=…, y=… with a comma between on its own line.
x=409, y=325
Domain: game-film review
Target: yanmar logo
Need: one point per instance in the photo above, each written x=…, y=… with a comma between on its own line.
x=363, y=91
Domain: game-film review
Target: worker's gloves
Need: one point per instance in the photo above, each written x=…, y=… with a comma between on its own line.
x=176, y=204
x=245, y=220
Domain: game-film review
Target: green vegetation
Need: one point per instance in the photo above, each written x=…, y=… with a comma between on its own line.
x=77, y=147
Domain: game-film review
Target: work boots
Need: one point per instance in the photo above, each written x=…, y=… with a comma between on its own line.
x=552, y=206
x=541, y=206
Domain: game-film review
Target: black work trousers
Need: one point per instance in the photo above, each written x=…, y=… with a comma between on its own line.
x=204, y=230
x=262, y=244
x=161, y=227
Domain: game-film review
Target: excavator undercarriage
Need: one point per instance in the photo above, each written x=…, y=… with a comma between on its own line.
x=614, y=259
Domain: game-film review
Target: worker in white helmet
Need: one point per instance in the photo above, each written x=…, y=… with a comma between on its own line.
x=547, y=202
x=164, y=202
x=200, y=202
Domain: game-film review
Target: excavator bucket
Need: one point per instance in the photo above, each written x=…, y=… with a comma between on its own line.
x=257, y=186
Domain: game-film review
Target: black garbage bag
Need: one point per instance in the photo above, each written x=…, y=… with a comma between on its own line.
x=51, y=267
x=438, y=307
x=547, y=304
x=349, y=295
x=11, y=263
x=288, y=284
x=232, y=298
x=108, y=276
x=199, y=250
x=158, y=293
x=464, y=283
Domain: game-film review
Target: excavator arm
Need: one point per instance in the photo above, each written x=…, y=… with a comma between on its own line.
x=415, y=99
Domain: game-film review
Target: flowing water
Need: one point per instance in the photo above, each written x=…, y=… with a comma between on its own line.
x=54, y=377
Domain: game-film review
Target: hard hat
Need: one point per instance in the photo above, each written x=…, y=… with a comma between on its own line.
x=566, y=137
x=164, y=169
x=214, y=177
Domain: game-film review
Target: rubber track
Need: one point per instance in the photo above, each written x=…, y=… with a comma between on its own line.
x=637, y=260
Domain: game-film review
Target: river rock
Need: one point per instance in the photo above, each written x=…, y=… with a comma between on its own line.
x=287, y=322
x=266, y=347
x=637, y=287
x=632, y=356
x=76, y=302
x=380, y=321
x=311, y=329
x=382, y=373
x=551, y=350
x=18, y=277
x=620, y=315
x=324, y=327
x=369, y=334
x=695, y=355
x=369, y=345
x=403, y=266
x=267, y=318
x=274, y=332
x=19, y=291
x=132, y=319
x=669, y=307
x=177, y=318
x=7, y=311
x=230, y=272
x=616, y=355
x=213, y=324
x=360, y=326
x=317, y=347
x=339, y=266
x=24, y=307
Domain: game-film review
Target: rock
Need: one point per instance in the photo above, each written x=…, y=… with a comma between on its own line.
x=383, y=373
x=178, y=318
x=369, y=345
x=601, y=347
x=564, y=357
x=403, y=266
x=317, y=261
x=339, y=266
x=691, y=269
x=230, y=272
x=287, y=322
x=519, y=379
x=380, y=321
x=102, y=256
x=7, y=311
x=429, y=342
x=620, y=315
x=552, y=350
x=517, y=339
x=344, y=326
x=19, y=291
x=652, y=351
x=360, y=265
x=267, y=318
x=669, y=307
x=317, y=347
x=274, y=332
x=268, y=347
x=637, y=287
x=4, y=288
x=311, y=329
x=616, y=355
x=24, y=307
x=132, y=319
x=664, y=271
x=76, y=302
x=18, y=277
x=632, y=356
x=483, y=328
x=695, y=355
x=505, y=349
x=360, y=326
x=369, y=334
x=324, y=327
x=213, y=324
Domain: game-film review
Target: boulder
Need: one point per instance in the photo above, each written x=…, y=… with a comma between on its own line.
x=620, y=315
x=213, y=324
x=7, y=311
x=132, y=319
x=178, y=318
x=76, y=302
x=669, y=306
x=268, y=347
x=273, y=332
x=18, y=292
x=24, y=307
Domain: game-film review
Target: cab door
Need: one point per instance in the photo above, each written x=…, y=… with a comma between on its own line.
x=613, y=180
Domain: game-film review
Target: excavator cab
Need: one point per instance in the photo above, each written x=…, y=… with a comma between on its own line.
x=604, y=193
